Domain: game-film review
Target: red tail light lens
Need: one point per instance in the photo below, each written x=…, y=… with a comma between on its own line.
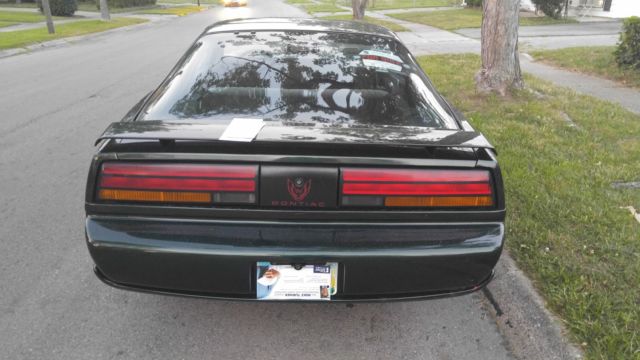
x=416, y=188
x=177, y=183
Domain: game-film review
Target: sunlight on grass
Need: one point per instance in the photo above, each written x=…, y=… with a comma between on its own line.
x=23, y=38
x=564, y=224
x=466, y=18
x=22, y=17
x=388, y=24
x=594, y=60
x=175, y=10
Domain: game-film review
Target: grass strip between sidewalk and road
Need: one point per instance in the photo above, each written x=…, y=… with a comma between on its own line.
x=7, y=23
x=22, y=38
x=388, y=24
x=23, y=17
x=592, y=60
x=175, y=10
x=560, y=152
x=468, y=18
x=93, y=7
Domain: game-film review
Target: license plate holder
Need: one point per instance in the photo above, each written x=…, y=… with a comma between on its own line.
x=315, y=282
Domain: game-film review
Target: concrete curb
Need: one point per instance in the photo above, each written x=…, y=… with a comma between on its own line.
x=529, y=329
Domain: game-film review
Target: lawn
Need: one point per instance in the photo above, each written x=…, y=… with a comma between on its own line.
x=23, y=38
x=6, y=23
x=182, y=2
x=597, y=60
x=565, y=225
x=404, y=4
x=22, y=17
x=467, y=18
x=328, y=7
x=175, y=10
x=92, y=6
x=28, y=5
x=388, y=24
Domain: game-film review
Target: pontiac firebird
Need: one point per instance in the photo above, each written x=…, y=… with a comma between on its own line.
x=342, y=154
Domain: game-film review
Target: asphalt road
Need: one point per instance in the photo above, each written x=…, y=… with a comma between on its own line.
x=53, y=104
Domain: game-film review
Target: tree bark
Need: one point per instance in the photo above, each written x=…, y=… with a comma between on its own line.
x=46, y=9
x=104, y=10
x=500, y=70
x=358, y=7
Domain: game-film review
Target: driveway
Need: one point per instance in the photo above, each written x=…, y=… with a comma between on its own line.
x=53, y=105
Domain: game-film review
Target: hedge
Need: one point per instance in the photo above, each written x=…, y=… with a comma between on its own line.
x=628, y=51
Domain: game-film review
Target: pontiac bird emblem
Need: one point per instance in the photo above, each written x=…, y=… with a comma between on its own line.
x=298, y=188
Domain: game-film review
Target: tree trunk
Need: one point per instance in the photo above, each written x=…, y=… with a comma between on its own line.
x=46, y=9
x=104, y=11
x=358, y=7
x=500, y=70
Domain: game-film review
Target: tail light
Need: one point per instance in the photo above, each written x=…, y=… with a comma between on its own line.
x=415, y=188
x=177, y=183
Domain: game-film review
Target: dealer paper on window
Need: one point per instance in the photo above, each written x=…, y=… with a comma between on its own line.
x=244, y=130
x=284, y=282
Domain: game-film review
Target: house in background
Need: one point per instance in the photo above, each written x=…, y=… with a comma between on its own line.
x=604, y=8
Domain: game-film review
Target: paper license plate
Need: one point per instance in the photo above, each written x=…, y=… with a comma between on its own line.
x=284, y=282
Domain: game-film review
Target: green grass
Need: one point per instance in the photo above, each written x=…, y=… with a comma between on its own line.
x=597, y=60
x=91, y=6
x=22, y=17
x=388, y=24
x=321, y=7
x=6, y=23
x=175, y=10
x=467, y=18
x=404, y=4
x=23, y=38
x=194, y=2
x=31, y=5
x=564, y=224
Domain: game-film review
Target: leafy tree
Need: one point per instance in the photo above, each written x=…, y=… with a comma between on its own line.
x=61, y=7
x=628, y=51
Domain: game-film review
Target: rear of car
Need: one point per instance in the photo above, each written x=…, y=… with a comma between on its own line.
x=359, y=176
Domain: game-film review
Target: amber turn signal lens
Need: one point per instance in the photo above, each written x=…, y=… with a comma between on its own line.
x=155, y=196
x=438, y=201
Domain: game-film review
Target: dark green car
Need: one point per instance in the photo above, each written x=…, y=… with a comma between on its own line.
x=295, y=160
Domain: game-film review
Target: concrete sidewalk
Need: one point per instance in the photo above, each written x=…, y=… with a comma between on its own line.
x=600, y=33
x=427, y=40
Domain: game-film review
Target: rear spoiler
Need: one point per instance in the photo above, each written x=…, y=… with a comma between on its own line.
x=277, y=133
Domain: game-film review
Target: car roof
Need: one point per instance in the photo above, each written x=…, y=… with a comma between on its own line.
x=298, y=24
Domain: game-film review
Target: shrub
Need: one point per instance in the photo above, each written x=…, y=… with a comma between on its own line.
x=628, y=51
x=551, y=8
x=130, y=3
x=61, y=7
x=474, y=3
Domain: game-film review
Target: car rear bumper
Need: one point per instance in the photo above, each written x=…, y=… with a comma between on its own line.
x=216, y=259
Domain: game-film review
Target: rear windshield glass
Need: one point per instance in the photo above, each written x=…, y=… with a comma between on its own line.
x=299, y=78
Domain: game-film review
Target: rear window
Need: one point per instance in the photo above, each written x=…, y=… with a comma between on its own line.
x=299, y=78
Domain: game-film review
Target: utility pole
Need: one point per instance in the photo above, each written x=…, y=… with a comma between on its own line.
x=566, y=9
x=104, y=10
x=46, y=9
